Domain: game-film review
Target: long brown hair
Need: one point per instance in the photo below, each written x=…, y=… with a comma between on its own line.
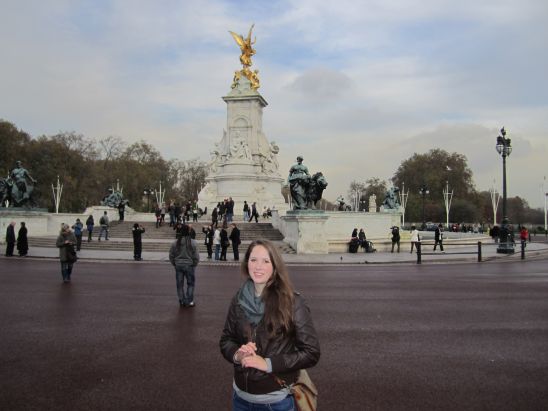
x=278, y=292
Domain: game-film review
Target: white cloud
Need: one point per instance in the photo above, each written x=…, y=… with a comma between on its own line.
x=355, y=87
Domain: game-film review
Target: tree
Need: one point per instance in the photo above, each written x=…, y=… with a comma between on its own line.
x=435, y=169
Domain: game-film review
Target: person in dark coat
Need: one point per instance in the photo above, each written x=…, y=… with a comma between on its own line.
x=235, y=238
x=67, y=254
x=10, y=239
x=137, y=232
x=22, y=241
x=438, y=237
x=77, y=228
x=89, y=226
x=224, y=244
x=208, y=240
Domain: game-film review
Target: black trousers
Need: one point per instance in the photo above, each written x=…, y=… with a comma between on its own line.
x=236, y=251
x=137, y=249
x=9, y=249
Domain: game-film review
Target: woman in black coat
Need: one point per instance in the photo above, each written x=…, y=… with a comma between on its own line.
x=224, y=244
x=22, y=241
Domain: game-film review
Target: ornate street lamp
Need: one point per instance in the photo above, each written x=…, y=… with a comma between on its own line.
x=148, y=192
x=506, y=243
x=423, y=191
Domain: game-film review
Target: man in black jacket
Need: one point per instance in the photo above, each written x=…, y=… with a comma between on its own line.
x=10, y=239
x=235, y=238
x=137, y=232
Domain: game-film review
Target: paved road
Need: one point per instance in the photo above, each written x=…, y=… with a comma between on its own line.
x=404, y=337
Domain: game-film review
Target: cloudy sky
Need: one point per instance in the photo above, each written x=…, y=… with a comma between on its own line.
x=354, y=86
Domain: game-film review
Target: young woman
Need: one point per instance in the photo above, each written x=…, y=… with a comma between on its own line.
x=268, y=333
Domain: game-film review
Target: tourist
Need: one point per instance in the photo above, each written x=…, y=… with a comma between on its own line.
x=217, y=242
x=137, y=232
x=89, y=226
x=67, y=254
x=235, y=238
x=415, y=238
x=184, y=256
x=229, y=210
x=10, y=239
x=158, y=215
x=214, y=217
x=254, y=213
x=163, y=213
x=362, y=239
x=121, y=210
x=104, y=222
x=395, y=238
x=191, y=232
x=523, y=236
x=22, y=241
x=77, y=228
x=438, y=237
x=195, y=213
x=208, y=240
x=224, y=243
x=246, y=211
x=268, y=333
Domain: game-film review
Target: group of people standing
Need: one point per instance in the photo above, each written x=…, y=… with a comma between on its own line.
x=21, y=240
x=220, y=239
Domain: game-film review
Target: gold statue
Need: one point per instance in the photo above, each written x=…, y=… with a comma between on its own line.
x=246, y=46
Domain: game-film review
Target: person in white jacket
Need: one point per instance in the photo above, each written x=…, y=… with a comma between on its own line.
x=415, y=238
x=217, y=243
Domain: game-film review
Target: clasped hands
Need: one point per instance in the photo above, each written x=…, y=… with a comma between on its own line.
x=247, y=356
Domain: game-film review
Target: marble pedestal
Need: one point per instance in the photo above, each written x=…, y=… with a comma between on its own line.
x=305, y=231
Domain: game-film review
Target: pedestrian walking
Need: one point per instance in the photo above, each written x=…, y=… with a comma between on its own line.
x=246, y=211
x=268, y=334
x=235, y=239
x=137, y=232
x=438, y=237
x=89, y=226
x=254, y=213
x=184, y=256
x=395, y=238
x=195, y=213
x=77, y=228
x=10, y=239
x=415, y=238
x=214, y=217
x=22, y=240
x=67, y=254
x=104, y=222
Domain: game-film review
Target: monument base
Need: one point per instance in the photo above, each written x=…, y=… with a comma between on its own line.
x=317, y=232
x=304, y=231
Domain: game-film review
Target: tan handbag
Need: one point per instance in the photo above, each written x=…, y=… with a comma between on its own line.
x=304, y=391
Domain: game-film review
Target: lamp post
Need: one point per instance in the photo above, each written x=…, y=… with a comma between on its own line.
x=403, y=201
x=447, y=197
x=504, y=148
x=423, y=191
x=148, y=192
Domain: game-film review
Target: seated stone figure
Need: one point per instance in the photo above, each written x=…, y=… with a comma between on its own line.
x=113, y=199
x=19, y=186
x=391, y=199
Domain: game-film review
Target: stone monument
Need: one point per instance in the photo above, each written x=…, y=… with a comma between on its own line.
x=244, y=163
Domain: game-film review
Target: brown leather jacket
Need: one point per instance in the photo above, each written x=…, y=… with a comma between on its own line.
x=288, y=353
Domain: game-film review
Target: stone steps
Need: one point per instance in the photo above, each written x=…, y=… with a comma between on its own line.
x=159, y=239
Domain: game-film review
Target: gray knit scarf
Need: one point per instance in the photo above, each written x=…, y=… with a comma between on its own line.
x=253, y=306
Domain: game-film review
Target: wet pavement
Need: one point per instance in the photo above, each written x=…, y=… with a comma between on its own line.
x=459, y=336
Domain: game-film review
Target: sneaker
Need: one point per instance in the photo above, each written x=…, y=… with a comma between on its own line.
x=191, y=304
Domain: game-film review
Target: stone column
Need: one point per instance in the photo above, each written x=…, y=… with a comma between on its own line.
x=373, y=203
